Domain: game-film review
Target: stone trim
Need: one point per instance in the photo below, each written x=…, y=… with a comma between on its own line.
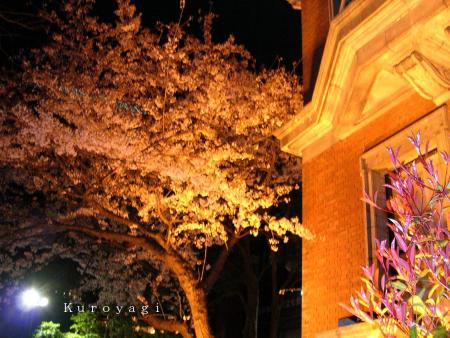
x=370, y=37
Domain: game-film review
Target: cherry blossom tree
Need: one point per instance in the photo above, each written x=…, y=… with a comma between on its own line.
x=144, y=155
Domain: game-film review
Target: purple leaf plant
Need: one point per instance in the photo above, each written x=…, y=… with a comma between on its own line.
x=406, y=293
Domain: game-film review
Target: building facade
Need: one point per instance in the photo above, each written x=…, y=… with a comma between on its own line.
x=374, y=71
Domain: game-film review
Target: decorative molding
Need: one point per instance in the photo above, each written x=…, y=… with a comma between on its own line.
x=433, y=128
x=358, y=79
x=429, y=79
x=296, y=4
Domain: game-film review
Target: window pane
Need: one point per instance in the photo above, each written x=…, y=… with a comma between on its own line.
x=335, y=5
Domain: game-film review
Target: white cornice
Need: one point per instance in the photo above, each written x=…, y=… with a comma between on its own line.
x=371, y=44
x=296, y=4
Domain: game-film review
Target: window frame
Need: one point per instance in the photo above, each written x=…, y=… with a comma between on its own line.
x=375, y=163
x=342, y=4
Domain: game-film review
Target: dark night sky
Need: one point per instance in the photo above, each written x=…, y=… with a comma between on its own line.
x=268, y=28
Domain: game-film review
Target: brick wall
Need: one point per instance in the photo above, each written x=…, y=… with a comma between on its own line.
x=332, y=208
x=315, y=25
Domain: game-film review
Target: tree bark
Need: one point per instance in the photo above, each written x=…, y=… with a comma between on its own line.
x=197, y=302
x=168, y=325
x=252, y=287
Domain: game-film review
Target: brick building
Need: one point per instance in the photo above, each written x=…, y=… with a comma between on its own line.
x=374, y=71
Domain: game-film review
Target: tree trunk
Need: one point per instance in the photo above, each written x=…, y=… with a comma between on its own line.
x=275, y=317
x=217, y=268
x=196, y=297
x=252, y=287
x=197, y=302
x=276, y=306
x=251, y=322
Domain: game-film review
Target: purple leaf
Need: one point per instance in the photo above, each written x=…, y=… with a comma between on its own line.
x=401, y=242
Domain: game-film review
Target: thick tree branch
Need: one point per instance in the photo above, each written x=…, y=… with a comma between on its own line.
x=218, y=265
x=111, y=215
x=173, y=262
x=118, y=237
x=160, y=323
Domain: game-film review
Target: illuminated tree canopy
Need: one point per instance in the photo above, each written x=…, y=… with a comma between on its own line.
x=134, y=151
